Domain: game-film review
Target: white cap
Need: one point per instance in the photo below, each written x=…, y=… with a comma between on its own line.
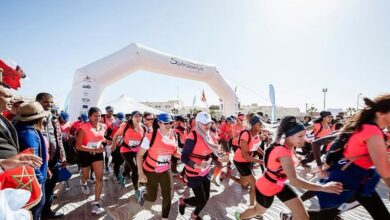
x=203, y=118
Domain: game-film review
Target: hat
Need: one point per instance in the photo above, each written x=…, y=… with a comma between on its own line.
x=134, y=113
x=31, y=111
x=229, y=119
x=240, y=114
x=254, y=120
x=165, y=118
x=109, y=108
x=64, y=116
x=323, y=114
x=120, y=116
x=203, y=118
x=84, y=117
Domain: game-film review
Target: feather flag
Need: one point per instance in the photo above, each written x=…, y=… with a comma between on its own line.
x=203, y=97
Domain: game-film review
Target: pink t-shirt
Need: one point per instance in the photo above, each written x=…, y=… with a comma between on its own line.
x=264, y=185
x=357, y=145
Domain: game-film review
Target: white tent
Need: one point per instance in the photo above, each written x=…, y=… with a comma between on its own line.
x=127, y=105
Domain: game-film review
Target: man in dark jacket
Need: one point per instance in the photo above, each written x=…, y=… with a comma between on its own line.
x=56, y=152
x=9, y=145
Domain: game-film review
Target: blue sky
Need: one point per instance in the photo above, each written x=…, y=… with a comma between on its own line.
x=299, y=46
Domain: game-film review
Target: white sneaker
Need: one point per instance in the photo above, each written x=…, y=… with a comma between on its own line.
x=96, y=209
x=85, y=188
x=348, y=206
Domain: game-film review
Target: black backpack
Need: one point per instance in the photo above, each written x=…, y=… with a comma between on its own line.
x=336, y=151
x=239, y=137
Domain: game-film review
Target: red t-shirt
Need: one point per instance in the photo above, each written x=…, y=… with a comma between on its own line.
x=357, y=145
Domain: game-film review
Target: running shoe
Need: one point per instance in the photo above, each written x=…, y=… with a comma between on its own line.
x=91, y=179
x=182, y=206
x=85, y=188
x=222, y=176
x=96, y=209
x=139, y=196
x=285, y=216
x=237, y=215
x=214, y=181
x=348, y=206
x=195, y=217
x=121, y=180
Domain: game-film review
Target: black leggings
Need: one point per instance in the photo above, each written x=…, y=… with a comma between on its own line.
x=373, y=204
x=202, y=195
x=130, y=159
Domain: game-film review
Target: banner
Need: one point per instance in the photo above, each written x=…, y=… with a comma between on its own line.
x=272, y=99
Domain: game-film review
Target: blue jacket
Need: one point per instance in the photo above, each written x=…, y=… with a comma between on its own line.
x=32, y=138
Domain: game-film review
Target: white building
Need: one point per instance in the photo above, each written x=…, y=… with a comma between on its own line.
x=167, y=106
x=279, y=111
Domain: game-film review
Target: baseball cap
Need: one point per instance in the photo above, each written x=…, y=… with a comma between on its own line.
x=121, y=116
x=134, y=113
x=84, y=117
x=64, y=116
x=165, y=118
x=203, y=118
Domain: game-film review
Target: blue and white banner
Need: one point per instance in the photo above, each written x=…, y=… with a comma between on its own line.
x=272, y=99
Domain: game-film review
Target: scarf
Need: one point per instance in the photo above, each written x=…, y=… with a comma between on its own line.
x=215, y=148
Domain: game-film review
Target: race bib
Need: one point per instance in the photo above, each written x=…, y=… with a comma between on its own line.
x=94, y=145
x=162, y=167
x=133, y=143
x=255, y=147
x=165, y=159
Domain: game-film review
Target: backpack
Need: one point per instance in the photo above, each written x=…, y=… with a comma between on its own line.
x=277, y=173
x=122, y=144
x=154, y=134
x=239, y=137
x=336, y=151
x=319, y=131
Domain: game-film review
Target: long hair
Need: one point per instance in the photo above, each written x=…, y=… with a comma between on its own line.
x=287, y=123
x=367, y=114
x=155, y=127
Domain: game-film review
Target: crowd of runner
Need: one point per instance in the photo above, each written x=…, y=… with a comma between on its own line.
x=351, y=155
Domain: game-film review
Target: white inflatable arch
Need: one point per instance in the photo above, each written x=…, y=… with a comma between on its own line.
x=90, y=81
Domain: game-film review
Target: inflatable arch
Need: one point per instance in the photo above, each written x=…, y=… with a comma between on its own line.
x=90, y=81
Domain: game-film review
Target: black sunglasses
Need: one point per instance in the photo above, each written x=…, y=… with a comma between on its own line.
x=149, y=119
x=167, y=123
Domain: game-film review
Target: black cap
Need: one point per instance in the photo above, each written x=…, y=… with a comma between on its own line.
x=134, y=113
x=109, y=108
x=323, y=114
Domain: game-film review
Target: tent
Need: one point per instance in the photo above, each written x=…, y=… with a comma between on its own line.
x=127, y=105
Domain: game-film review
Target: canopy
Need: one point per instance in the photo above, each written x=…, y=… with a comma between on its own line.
x=127, y=105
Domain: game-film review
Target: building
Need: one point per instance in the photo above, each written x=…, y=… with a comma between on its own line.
x=279, y=111
x=167, y=106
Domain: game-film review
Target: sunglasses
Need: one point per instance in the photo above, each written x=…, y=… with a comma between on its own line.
x=167, y=123
x=149, y=119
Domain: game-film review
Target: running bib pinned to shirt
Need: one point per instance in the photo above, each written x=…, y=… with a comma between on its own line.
x=94, y=145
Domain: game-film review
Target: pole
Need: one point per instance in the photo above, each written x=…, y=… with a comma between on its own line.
x=357, y=102
x=324, y=91
x=306, y=108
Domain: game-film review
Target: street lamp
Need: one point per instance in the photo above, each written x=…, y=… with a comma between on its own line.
x=357, y=103
x=324, y=90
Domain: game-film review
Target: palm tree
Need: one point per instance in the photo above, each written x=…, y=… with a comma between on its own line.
x=311, y=110
x=351, y=111
x=175, y=111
